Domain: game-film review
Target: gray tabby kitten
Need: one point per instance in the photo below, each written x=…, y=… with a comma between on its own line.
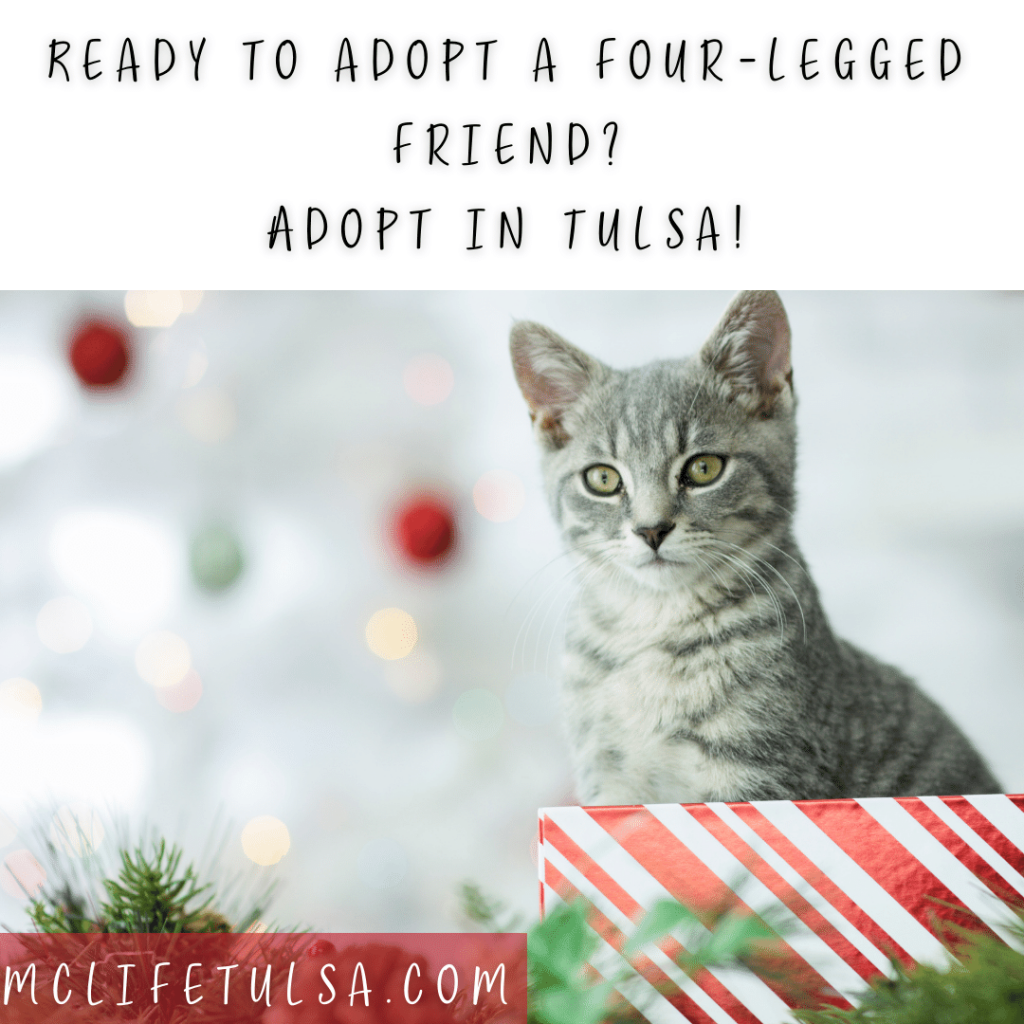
x=699, y=664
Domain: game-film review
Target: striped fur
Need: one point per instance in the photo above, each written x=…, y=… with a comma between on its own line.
x=704, y=668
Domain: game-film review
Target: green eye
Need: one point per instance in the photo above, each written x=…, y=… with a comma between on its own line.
x=602, y=480
x=702, y=469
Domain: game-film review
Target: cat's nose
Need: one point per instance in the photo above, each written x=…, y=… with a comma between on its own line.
x=654, y=535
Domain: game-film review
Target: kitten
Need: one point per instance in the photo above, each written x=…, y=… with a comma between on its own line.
x=699, y=664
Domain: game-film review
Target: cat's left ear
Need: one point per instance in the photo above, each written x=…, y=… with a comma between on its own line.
x=552, y=375
x=750, y=349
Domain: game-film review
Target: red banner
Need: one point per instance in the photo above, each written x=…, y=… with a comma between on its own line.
x=270, y=978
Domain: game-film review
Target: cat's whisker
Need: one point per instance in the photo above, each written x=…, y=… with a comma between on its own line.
x=538, y=613
x=742, y=567
x=529, y=579
x=741, y=570
x=796, y=561
x=556, y=607
x=781, y=576
x=723, y=586
x=700, y=387
x=769, y=565
x=788, y=509
x=534, y=608
x=780, y=608
x=602, y=564
x=569, y=553
x=555, y=598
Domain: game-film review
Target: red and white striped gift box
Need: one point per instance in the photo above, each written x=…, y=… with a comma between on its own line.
x=846, y=883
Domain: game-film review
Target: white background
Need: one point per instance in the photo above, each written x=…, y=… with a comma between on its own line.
x=842, y=184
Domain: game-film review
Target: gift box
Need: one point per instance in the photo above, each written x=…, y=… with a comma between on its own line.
x=847, y=885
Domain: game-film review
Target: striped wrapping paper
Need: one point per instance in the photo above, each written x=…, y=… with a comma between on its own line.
x=846, y=883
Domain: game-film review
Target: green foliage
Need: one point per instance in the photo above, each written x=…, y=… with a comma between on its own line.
x=485, y=911
x=151, y=893
x=982, y=984
x=561, y=992
x=556, y=950
x=65, y=911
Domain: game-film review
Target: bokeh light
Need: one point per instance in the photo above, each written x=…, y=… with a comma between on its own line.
x=162, y=659
x=129, y=567
x=499, y=495
x=208, y=415
x=416, y=678
x=100, y=354
x=64, y=625
x=424, y=530
x=182, y=696
x=382, y=863
x=215, y=557
x=391, y=634
x=76, y=829
x=428, y=379
x=265, y=840
x=153, y=309
x=34, y=400
x=21, y=875
x=20, y=700
x=478, y=715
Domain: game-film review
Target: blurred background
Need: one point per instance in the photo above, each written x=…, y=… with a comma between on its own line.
x=277, y=566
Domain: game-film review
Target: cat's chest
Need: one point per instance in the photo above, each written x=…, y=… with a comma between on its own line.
x=660, y=677
x=652, y=692
x=647, y=731
x=645, y=721
x=658, y=698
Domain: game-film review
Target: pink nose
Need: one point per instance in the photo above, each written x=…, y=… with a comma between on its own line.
x=654, y=535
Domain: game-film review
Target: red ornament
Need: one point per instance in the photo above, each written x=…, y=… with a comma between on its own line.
x=100, y=354
x=425, y=530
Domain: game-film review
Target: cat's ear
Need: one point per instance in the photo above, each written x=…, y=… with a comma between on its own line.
x=552, y=375
x=750, y=349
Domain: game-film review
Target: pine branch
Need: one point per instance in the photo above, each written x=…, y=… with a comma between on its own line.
x=152, y=895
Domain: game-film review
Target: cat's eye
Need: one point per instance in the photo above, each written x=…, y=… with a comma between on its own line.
x=702, y=469
x=602, y=480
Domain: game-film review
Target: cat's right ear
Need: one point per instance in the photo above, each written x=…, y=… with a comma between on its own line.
x=750, y=350
x=552, y=375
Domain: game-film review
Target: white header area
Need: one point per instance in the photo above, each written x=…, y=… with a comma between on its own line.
x=721, y=145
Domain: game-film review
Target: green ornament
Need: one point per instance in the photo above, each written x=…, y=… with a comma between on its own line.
x=216, y=558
